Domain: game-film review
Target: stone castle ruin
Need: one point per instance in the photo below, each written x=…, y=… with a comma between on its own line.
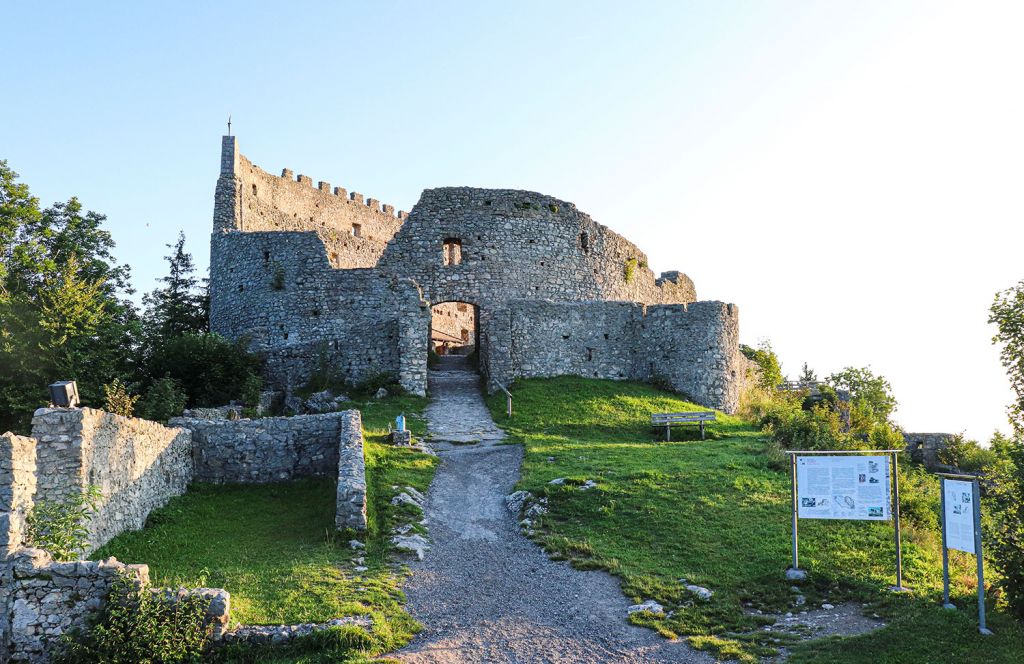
x=320, y=278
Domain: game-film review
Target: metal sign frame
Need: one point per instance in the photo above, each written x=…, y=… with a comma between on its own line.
x=894, y=499
x=976, y=501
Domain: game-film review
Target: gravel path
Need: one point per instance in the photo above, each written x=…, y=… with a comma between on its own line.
x=485, y=593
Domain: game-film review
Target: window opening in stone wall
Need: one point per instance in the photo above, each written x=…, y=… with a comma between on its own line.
x=585, y=242
x=254, y=190
x=454, y=336
x=590, y=355
x=452, y=251
x=357, y=230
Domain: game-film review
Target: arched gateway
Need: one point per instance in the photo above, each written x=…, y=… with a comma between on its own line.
x=307, y=272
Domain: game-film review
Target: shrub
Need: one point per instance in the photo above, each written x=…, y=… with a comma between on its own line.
x=212, y=370
x=164, y=399
x=871, y=397
x=61, y=527
x=629, y=269
x=118, y=399
x=1006, y=538
x=138, y=626
x=966, y=455
x=817, y=429
x=767, y=362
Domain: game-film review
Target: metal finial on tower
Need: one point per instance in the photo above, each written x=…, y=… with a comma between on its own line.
x=229, y=124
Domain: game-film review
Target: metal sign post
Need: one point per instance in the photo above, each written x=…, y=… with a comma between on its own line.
x=964, y=537
x=845, y=490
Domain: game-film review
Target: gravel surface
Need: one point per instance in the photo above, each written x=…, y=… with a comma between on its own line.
x=485, y=593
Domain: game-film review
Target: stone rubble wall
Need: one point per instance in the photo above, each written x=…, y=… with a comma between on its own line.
x=17, y=487
x=925, y=447
x=49, y=598
x=269, y=449
x=137, y=464
x=521, y=245
x=277, y=290
x=694, y=348
x=454, y=323
x=350, y=509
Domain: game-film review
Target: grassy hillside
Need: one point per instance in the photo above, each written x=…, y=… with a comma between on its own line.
x=717, y=513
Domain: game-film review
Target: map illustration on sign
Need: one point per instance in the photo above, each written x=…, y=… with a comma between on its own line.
x=959, y=515
x=843, y=487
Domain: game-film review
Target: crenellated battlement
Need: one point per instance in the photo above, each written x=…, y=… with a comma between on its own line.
x=288, y=175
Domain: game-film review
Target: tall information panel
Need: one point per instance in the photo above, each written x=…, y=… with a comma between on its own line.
x=961, y=530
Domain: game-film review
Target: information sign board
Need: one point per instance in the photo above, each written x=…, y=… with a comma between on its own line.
x=843, y=487
x=959, y=515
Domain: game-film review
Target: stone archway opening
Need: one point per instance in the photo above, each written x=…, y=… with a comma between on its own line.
x=455, y=334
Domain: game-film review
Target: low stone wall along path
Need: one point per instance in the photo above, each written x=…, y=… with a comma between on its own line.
x=484, y=592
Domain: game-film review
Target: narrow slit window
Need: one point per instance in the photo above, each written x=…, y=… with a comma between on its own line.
x=452, y=251
x=357, y=230
x=585, y=242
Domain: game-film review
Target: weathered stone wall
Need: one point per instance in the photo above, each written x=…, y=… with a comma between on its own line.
x=353, y=230
x=274, y=449
x=277, y=290
x=17, y=488
x=691, y=348
x=48, y=598
x=137, y=464
x=695, y=350
x=925, y=447
x=350, y=509
x=453, y=324
x=269, y=449
x=521, y=245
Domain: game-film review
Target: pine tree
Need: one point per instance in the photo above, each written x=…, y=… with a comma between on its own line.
x=180, y=306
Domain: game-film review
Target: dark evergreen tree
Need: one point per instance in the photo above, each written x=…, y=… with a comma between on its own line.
x=180, y=306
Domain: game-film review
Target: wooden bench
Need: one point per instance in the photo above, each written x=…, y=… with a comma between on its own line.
x=666, y=420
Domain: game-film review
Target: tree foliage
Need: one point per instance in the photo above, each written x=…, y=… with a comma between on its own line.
x=65, y=314
x=62, y=527
x=212, y=370
x=769, y=368
x=1007, y=313
x=62, y=315
x=871, y=398
x=180, y=306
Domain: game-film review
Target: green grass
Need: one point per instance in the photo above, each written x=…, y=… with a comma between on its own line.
x=274, y=548
x=717, y=512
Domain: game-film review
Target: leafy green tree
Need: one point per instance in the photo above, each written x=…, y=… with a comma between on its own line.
x=1006, y=535
x=61, y=312
x=769, y=368
x=212, y=370
x=1007, y=313
x=871, y=397
x=164, y=399
x=180, y=306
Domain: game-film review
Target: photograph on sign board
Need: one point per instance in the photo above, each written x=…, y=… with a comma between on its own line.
x=843, y=487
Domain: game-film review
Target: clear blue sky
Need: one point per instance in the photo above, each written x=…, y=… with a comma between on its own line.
x=848, y=173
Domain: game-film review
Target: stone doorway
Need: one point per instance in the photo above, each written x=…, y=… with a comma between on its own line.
x=455, y=332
